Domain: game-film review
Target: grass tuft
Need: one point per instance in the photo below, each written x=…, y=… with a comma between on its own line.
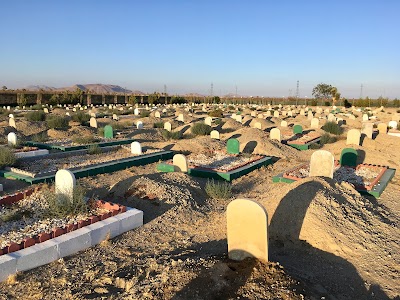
x=218, y=189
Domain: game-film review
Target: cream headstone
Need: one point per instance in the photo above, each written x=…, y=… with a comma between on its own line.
x=391, y=124
x=157, y=114
x=322, y=164
x=314, y=123
x=268, y=113
x=310, y=115
x=214, y=134
x=180, y=118
x=382, y=127
x=11, y=123
x=365, y=117
x=208, y=121
x=12, y=139
x=257, y=125
x=284, y=123
x=331, y=118
x=276, y=114
x=253, y=114
x=115, y=117
x=353, y=137
x=136, y=111
x=65, y=183
x=93, y=122
x=260, y=116
x=352, y=117
x=247, y=230
x=180, y=163
x=239, y=118
x=46, y=110
x=275, y=134
x=167, y=126
x=139, y=125
x=367, y=129
x=136, y=148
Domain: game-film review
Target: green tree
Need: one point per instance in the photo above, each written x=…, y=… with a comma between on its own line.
x=132, y=100
x=77, y=95
x=325, y=91
x=54, y=99
x=22, y=100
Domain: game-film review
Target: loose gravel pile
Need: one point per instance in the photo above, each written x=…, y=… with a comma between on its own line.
x=218, y=160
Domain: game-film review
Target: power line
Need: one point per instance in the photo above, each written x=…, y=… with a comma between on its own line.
x=297, y=90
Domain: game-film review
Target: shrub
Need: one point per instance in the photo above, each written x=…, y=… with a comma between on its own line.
x=171, y=135
x=218, y=189
x=94, y=149
x=201, y=129
x=7, y=157
x=81, y=117
x=37, y=107
x=326, y=138
x=35, y=116
x=16, y=214
x=158, y=125
x=144, y=113
x=118, y=125
x=217, y=113
x=57, y=122
x=61, y=206
x=40, y=137
x=219, y=122
x=332, y=127
x=100, y=131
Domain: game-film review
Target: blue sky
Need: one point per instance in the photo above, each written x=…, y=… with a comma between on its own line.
x=262, y=47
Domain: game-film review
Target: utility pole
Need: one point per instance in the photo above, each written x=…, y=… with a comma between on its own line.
x=165, y=93
x=361, y=92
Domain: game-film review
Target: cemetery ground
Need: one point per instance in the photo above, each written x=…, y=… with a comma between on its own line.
x=325, y=239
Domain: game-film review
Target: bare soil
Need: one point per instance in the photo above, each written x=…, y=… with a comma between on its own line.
x=326, y=240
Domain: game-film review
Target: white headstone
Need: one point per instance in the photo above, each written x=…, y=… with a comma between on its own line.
x=284, y=123
x=208, y=121
x=353, y=137
x=65, y=183
x=391, y=124
x=257, y=125
x=167, y=126
x=93, y=122
x=139, y=125
x=136, y=111
x=11, y=123
x=180, y=163
x=180, y=118
x=314, y=123
x=12, y=139
x=115, y=117
x=322, y=164
x=136, y=148
x=365, y=117
x=157, y=114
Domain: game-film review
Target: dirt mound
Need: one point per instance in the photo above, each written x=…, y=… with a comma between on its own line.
x=334, y=218
x=27, y=128
x=230, y=125
x=198, y=145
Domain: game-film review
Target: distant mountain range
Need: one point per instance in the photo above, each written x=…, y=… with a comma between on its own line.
x=94, y=88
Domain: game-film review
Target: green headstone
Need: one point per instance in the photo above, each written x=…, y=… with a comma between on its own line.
x=232, y=146
x=108, y=132
x=348, y=157
x=163, y=167
x=297, y=129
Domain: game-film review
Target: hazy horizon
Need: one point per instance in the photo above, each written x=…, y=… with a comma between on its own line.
x=260, y=48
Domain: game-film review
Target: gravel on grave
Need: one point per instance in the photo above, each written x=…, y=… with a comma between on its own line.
x=44, y=165
x=218, y=160
x=28, y=226
x=69, y=142
x=361, y=176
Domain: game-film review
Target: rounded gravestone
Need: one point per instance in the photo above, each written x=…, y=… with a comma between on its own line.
x=12, y=139
x=108, y=132
x=65, y=183
x=180, y=163
x=297, y=129
x=136, y=148
x=247, y=230
x=322, y=164
x=348, y=157
x=233, y=146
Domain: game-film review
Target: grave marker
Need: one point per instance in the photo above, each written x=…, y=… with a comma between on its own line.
x=247, y=230
x=233, y=146
x=208, y=121
x=322, y=163
x=136, y=148
x=157, y=114
x=65, y=183
x=275, y=134
x=353, y=137
x=12, y=139
x=348, y=157
x=139, y=125
x=315, y=123
x=391, y=124
x=180, y=118
x=180, y=163
x=382, y=127
x=257, y=125
x=297, y=129
x=11, y=123
x=284, y=123
x=108, y=132
x=214, y=134
x=368, y=129
x=167, y=126
x=93, y=122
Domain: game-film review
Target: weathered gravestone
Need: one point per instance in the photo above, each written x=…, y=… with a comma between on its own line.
x=322, y=164
x=65, y=183
x=247, y=230
x=232, y=146
x=365, y=117
x=275, y=134
x=284, y=123
x=46, y=110
x=348, y=157
x=382, y=128
x=157, y=114
x=208, y=121
x=297, y=129
x=368, y=129
x=315, y=123
x=93, y=122
x=391, y=124
x=108, y=132
x=115, y=117
x=276, y=114
x=139, y=125
x=167, y=126
x=136, y=148
x=136, y=111
x=214, y=134
x=180, y=163
x=353, y=137
x=239, y=118
x=180, y=118
x=12, y=139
